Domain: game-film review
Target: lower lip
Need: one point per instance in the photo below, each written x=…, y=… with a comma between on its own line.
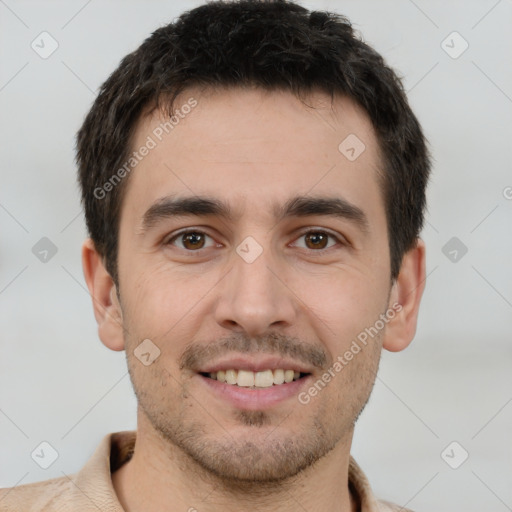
x=252, y=399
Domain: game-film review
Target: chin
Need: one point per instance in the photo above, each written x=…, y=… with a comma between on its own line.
x=264, y=456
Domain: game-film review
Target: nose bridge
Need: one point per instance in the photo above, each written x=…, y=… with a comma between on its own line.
x=253, y=297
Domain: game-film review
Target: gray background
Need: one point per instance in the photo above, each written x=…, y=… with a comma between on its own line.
x=59, y=384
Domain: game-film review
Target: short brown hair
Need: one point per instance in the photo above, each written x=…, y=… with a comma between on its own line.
x=273, y=44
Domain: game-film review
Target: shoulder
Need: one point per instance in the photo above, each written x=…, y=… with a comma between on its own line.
x=88, y=490
x=46, y=495
x=387, y=506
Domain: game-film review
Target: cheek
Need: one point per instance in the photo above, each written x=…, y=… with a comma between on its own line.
x=161, y=301
x=149, y=288
x=346, y=301
x=344, y=314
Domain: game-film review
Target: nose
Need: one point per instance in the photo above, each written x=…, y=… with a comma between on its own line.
x=253, y=297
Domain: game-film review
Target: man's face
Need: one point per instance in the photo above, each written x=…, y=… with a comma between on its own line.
x=254, y=290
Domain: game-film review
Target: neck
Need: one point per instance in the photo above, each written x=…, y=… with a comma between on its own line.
x=160, y=476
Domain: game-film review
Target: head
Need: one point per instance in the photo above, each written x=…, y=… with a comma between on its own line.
x=286, y=147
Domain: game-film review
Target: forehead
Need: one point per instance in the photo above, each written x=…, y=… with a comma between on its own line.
x=252, y=147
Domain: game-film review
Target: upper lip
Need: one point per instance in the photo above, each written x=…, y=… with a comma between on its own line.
x=254, y=364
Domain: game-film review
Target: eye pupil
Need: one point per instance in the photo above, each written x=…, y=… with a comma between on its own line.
x=318, y=239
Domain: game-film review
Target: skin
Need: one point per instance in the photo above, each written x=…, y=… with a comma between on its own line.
x=193, y=448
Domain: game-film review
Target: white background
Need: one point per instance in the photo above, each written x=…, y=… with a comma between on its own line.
x=59, y=384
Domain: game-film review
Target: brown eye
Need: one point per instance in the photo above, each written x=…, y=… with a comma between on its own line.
x=316, y=240
x=189, y=240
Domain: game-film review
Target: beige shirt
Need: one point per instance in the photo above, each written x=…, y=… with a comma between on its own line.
x=91, y=488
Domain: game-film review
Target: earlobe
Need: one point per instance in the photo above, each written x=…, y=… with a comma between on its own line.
x=102, y=289
x=407, y=292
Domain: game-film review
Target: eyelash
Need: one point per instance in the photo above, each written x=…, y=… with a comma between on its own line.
x=309, y=231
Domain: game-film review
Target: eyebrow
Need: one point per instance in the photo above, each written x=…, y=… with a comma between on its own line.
x=299, y=206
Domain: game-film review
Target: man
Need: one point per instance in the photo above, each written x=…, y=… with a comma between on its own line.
x=254, y=185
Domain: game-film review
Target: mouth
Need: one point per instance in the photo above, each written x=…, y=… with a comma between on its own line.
x=258, y=389
x=254, y=382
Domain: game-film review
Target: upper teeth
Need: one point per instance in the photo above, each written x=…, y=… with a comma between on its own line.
x=264, y=379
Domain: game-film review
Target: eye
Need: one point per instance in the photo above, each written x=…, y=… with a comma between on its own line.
x=194, y=240
x=191, y=240
x=317, y=239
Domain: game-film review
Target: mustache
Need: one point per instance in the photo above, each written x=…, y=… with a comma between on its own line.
x=195, y=356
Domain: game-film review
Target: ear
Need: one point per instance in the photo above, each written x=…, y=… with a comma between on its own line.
x=102, y=289
x=405, y=298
